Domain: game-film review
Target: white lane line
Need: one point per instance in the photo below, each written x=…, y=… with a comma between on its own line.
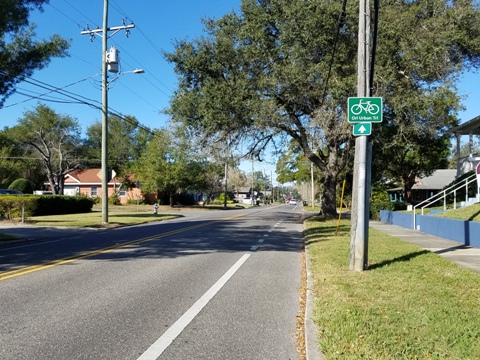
x=260, y=241
x=266, y=235
x=159, y=346
x=254, y=248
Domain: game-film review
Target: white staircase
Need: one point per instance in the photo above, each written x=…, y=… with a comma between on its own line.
x=443, y=195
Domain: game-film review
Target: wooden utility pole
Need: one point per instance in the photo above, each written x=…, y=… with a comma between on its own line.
x=360, y=203
x=103, y=32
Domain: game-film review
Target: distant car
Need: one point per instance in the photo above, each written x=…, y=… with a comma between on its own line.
x=293, y=202
x=10, y=192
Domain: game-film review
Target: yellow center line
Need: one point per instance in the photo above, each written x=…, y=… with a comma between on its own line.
x=49, y=264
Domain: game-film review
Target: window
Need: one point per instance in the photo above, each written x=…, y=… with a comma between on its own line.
x=122, y=191
x=93, y=191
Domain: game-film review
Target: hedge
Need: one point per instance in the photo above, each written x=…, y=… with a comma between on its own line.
x=62, y=204
x=36, y=205
x=11, y=206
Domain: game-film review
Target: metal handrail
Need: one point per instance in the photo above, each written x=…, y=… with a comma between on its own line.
x=443, y=195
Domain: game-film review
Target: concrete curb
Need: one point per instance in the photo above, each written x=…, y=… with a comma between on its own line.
x=311, y=340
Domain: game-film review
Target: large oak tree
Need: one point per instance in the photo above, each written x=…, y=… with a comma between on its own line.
x=283, y=69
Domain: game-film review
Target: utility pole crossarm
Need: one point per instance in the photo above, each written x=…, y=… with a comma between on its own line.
x=115, y=30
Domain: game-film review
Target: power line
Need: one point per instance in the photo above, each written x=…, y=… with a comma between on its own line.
x=118, y=8
x=133, y=92
x=143, y=67
x=42, y=96
x=65, y=93
x=73, y=98
x=68, y=17
x=152, y=44
x=30, y=98
x=79, y=99
x=85, y=16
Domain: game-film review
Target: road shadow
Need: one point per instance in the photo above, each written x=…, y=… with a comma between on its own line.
x=166, y=239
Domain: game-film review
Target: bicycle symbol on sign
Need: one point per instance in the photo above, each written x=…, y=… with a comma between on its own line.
x=365, y=106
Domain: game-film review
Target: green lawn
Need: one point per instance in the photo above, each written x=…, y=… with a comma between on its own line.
x=471, y=213
x=94, y=219
x=120, y=215
x=410, y=304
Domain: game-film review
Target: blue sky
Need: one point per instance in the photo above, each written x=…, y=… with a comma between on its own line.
x=158, y=24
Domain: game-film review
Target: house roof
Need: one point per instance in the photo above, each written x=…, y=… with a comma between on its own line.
x=470, y=127
x=243, y=190
x=438, y=180
x=85, y=176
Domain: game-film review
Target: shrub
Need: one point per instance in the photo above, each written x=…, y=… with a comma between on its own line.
x=61, y=204
x=34, y=205
x=375, y=208
x=221, y=198
x=11, y=206
x=22, y=185
x=114, y=200
x=185, y=198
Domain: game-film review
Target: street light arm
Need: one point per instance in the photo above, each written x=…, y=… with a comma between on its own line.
x=136, y=71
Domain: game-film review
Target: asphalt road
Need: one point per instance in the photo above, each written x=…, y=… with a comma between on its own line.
x=212, y=285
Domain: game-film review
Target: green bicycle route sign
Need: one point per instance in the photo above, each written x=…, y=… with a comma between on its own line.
x=365, y=110
x=362, y=129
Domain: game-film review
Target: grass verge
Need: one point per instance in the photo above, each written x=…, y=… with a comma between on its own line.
x=118, y=215
x=410, y=304
x=94, y=219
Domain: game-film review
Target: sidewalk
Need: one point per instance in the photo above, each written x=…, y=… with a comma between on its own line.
x=463, y=255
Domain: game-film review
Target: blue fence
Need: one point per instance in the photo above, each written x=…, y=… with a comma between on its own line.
x=464, y=232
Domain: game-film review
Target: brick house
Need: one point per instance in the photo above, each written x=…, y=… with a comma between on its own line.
x=88, y=182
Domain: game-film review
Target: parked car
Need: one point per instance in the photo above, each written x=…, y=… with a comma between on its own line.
x=293, y=202
x=10, y=192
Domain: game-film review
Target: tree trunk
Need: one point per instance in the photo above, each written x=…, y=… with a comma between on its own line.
x=329, y=195
x=53, y=184
x=172, y=199
x=407, y=184
x=60, y=183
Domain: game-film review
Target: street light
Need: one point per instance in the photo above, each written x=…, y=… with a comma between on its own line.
x=105, y=173
x=136, y=71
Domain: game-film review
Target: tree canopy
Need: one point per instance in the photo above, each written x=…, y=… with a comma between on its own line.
x=20, y=54
x=54, y=138
x=126, y=142
x=283, y=69
x=167, y=166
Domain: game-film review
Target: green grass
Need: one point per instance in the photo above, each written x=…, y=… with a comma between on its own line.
x=410, y=304
x=470, y=213
x=119, y=215
x=94, y=219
